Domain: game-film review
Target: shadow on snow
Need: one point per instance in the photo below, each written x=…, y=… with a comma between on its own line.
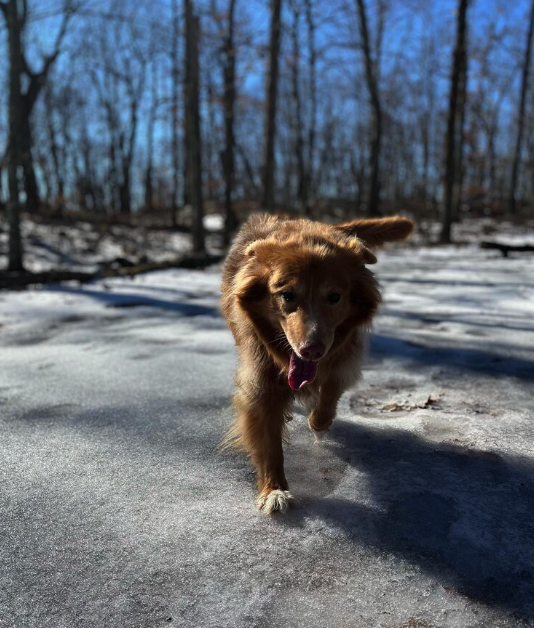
x=127, y=300
x=464, y=516
x=383, y=346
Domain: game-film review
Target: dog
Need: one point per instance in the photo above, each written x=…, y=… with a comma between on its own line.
x=298, y=298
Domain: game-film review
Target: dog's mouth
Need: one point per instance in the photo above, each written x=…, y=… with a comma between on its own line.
x=301, y=372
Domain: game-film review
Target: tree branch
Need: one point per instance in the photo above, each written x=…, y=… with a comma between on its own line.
x=37, y=79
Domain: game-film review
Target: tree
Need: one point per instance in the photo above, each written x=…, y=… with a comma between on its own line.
x=312, y=63
x=118, y=67
x=298, y=130
x=521, y=117
x=229, y=97
x=454, y=121
x=151, y=122
x=15, y=14
x=15, y=24
x=272, y=92
x=192, y=127
x=371, y=71
x=25, y=85
x=175, y=78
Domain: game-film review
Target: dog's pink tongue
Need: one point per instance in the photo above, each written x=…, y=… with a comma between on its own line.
x=301, y=372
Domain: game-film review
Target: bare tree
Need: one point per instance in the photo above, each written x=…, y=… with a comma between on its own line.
x=371, y=70
x=455, y=118
x=15, y=23
x=192, y=123
x=151, y=122
x=30, y=82
x=299, y=122
x=229, y=97
x=521, y=117
x=175, y=77
x=54, y=150
x=272, y=92
x=21, y=104
x=312, y=62
x=460, y=138
x=118, y=69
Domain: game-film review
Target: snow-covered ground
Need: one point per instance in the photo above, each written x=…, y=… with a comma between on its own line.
x=84, y=246
x=118, y=509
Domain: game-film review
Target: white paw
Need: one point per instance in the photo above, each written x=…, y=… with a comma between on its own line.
x=319, y=436
x=275, y=501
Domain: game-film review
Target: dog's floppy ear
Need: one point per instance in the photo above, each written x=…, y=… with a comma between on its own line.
x=250, y=283
x=249, y=287
x=355, y=246
x=262, y=251
x=376, y=231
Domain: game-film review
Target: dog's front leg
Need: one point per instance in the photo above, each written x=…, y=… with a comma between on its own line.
x=260, y=424
x=324, y=412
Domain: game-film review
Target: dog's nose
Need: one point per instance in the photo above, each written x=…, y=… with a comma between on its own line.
x=312, y=350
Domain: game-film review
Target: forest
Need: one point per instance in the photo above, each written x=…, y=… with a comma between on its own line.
x=136, y=137
x=161, y=113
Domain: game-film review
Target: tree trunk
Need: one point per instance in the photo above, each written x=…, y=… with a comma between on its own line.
x=128, y=148
x=30, y=180
x=460, y=141
x=272, y=92
x=15, y=24
x=174, y=113
x=302, y=201
x=149, y=173
x=308, y=179
x=459, y=58
x=521, y=118
x=124, y=191
x=88, y=188
x=192, y=117
x=376, y=122
x=54, y=152
x=229, y=114
x=113, y=166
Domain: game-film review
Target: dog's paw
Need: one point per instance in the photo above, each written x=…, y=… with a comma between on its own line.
x=275, y=501
x=319, y=435
x=320, y=423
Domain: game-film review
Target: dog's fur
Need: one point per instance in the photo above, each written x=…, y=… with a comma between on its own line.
x=287, y=285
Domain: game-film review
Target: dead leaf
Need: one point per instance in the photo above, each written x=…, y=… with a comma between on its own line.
x=429, y=402
x=403, y=407
x=395, y=407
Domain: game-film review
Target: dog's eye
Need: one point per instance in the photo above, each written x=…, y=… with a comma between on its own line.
x=288, y=296
x=333, y=298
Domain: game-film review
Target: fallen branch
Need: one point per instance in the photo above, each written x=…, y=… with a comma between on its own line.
x=18, y=280
x=507, y=248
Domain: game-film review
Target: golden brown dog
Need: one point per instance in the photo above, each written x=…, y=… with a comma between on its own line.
x=298, y=298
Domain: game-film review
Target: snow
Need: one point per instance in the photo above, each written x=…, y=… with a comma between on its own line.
x=214, y=222
x=118, y=509
x=83, y=246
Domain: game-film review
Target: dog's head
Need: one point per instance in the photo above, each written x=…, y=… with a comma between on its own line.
x=307, y=287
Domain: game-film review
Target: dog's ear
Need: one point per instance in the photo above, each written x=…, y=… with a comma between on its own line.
x=376, y=231
x=356, y=247
x=261, y=251
x=249, y=287
x=365, y=296
x=250, y=283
